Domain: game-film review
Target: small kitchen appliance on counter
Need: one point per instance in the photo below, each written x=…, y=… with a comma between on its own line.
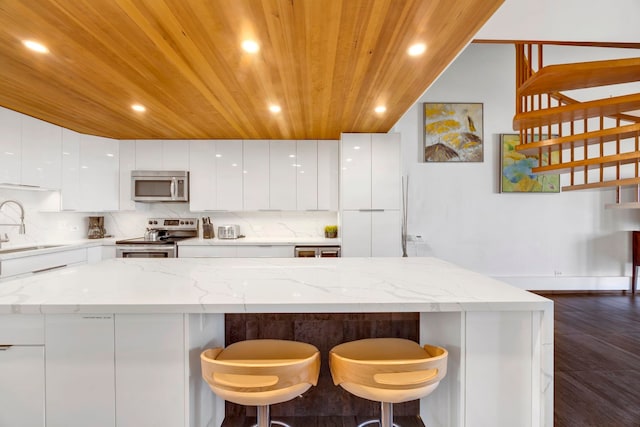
x=160, y=239
x=96, y=227
x=229, y=231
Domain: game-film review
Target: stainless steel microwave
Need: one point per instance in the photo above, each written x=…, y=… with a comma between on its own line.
x=160, y=186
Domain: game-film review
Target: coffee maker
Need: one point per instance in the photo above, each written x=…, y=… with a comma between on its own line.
x=96, y=227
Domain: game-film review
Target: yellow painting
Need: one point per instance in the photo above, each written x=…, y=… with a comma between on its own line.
x=453, y=132
x=516, y=174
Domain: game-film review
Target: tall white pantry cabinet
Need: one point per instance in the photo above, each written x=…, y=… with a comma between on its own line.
x=370, y=196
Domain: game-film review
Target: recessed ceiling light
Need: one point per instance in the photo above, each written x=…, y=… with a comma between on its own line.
x=417, y=49
x=35, y=46
x=380, y=109
x=275, y=108
x=139, y=108
x=250, y=46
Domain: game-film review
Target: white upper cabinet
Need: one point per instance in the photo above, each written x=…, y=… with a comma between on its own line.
x=215, y=175
x=148, y=154
x=306, y=162
x=10, y=143
x=229, y=166
x=254, y=175
x=202, y=176
x=70, y=197
x=356, y=171
x=41, y=154
x=127, y=163
x=255, y=168
x=385, y=171
x=99, y=173
x=282, y=175
x=157, y=154
x=328, y=174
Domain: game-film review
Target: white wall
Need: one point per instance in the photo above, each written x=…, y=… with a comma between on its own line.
x=567, y=20
x=537, y=241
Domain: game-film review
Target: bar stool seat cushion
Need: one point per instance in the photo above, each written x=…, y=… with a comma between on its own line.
x=261, y=372
x=392, y=370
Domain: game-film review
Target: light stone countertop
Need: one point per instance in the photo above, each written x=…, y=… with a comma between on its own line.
x=263, y=285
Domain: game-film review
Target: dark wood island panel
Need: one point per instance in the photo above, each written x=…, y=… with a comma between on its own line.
x=324, y=330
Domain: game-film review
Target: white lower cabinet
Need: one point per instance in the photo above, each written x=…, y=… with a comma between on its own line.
x=115, y=370
x=236, y=251
x=368, y=233
x=79, y=370
x=22, y=371
x=22, y=386
x=150, y=370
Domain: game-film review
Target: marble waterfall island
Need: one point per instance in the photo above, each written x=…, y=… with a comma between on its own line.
x=500, y=338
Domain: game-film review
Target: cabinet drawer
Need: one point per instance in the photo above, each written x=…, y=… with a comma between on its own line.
x=21, y=329
x=37, y=263
x=265, y=251
x=206, y=251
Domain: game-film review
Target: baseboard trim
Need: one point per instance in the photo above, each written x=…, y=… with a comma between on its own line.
x=570, y=284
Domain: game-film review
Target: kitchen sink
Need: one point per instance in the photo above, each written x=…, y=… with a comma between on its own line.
x=27, y=248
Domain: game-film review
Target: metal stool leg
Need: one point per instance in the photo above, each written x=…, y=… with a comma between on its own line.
x=264, y=418
x=386, y=416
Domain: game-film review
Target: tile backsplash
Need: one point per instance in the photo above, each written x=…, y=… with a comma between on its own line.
x=44, y=224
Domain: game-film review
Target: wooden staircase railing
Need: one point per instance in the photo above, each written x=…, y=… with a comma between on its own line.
x=597, y=141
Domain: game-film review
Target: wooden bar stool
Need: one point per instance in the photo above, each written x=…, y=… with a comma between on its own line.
x=261, y=373
x=387, y=370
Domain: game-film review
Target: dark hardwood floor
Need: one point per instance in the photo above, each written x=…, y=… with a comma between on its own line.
x=597, y=360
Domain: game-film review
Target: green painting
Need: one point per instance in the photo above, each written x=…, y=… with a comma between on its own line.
x=516, y=169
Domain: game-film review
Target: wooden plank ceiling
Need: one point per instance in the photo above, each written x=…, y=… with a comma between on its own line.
x=327, y=63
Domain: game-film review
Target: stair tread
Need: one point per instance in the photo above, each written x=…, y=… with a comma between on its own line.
x=554, y=78
x=605, y=184
x=592, y=163
x=579, y=140
x=573, y=112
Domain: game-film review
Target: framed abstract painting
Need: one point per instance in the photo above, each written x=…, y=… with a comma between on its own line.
x=516, y=174
x=453, y=132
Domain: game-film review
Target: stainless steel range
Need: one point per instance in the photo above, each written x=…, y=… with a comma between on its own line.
x=160, y=240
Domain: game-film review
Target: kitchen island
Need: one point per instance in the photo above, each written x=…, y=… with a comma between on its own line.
x=155, y=316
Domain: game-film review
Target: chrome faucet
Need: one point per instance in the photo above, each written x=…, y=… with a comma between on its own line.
x=21, y=230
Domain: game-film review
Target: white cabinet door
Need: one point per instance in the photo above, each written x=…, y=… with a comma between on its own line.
x=215, y=173
x=70, y=197
x=385, y=171
x=41, y=153
x=99, y=174
x=355, y=161
x=307, y=175
x=79, y=366
x=386, y=238
x=202, y=176
x=10, y=143
x=255, y=183
x=206, y=251
x=22, y=386
x=282, y=175
x=356, y=234
x=175, y=155
x=150, y=370
x=127, y=163
x=228, y=170
x=148, y=154
x=265, y=251
x=328, y=174
x=159, y=154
